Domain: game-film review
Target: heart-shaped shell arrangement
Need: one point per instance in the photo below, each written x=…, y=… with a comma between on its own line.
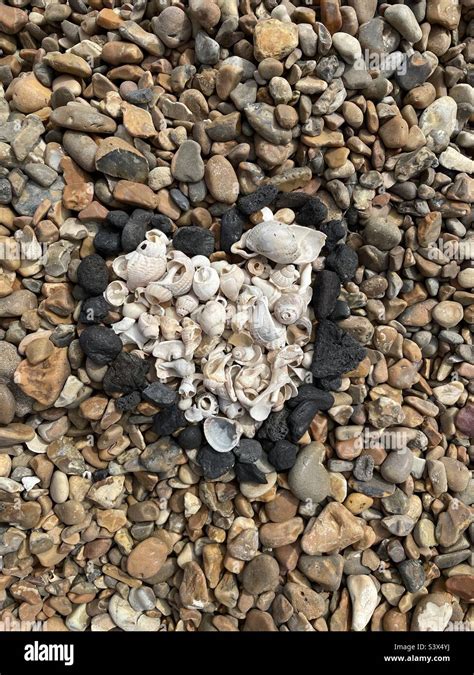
x=233, y=339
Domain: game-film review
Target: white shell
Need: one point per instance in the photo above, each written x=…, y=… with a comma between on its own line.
x=205, y=283
x=222, y=434
x=289, y=308
x=232, y=278
x=149, y=326
x=155, y=293
x=116, y=293
x=179, y=276
x=191, y=335
x=211, y=318
x=263, y=327
x=284, y=276
x=133, y=309
x=146, y=264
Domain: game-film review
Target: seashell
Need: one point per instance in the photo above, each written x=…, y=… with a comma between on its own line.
x=289, y=308
x=149, y=326
x=155, y=293
x=169, y=350
x=263, y=327
x=133, y=309
x=214, y=372
x=191, y=335
x=186, y=304
x=240, y=339
x=207, y=404
x=247, y=355
x=257, y=267
x=284, y=276
x=128, y=331
x=232, y=278
x=187, y=388
x=119, y=266
x=158, y=237
x=261, y=411
x=270, y=238
x=291, y=355
x=205, y=283
x=222, y=434
x=179, y=276
x=177, y=368
x=200, y=261
x=146, y=264
x=116, y=293
x=310, y=243
x=170, y=327
x=211, y=318
x=299, y=333
x=232, y=410
x=208, y=343
x=270, y=291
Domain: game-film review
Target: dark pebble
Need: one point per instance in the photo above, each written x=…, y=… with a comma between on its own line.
x=248, y=451
x=326, y=289
x=312, y=213
x=159, y=394
x=108, y=242
x=100, y=344
x=168, y=421
x=283, y=455
x=328, y=383
x=334, y=230
x=364, y=468
x=5, y=191
x=343, y=260
x=132, y=235
x=118, y=219
x=128, y=402
x=291, y=200
x=162, y=223
x=341, y=311
x=192, y=240
x=62, y=336
x=179, y=199
x=140, y=97
x=249, y=473
x=301, y=417
x=352, y=218
x=307, y=392
x=100, y=474
x=191, y=437
x=214, y=464
x=92, y=275
x=126, y=374
x=94, y=310
x=416, y=70
x=141, y=216
x=232, y=227
x=335, y=351
x=412, y=574
x=275, y=426
x=262, y=197
x=60, y=97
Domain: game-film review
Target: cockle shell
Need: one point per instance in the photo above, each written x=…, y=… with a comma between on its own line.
x=284, y=276
x=232, y=278
x=289, y=308
x=116, y=293
x=264, y=328
x=146, y=264
x=211, y=318
x=205, y=283
x=186, y=304
x=221, y=433
x=179, y=276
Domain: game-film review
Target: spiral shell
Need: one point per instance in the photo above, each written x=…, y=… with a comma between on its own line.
x=116, y=293
x=232, y=278
x=211, y=318
x=191, y=335
x=284, y=276
x=263, y=327
x=179, y=276
x=205, y=283
x=144, y=265
x=185, y=304
x=288, y=309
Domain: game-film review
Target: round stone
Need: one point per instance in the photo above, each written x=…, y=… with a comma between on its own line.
x=447, y=313
x=261, y=574
x=147, y=558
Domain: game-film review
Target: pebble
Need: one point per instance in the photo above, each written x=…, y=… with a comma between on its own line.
x=308, y=479
x=334, y=529
x=147, y=558
x=100, y=344
x=364, y=599
x=221, y=180
x=261, y=575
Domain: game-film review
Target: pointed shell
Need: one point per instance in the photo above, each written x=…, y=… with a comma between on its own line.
x=205, y=283
x=191, y=335
x=232, y=278
x=284, y=276
x=289, y=308
x=222, y=434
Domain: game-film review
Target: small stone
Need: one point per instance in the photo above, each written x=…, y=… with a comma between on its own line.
x=261, y=574
x=413, y=575
x=308, y=479
x=397, y=467
x=172, y=26
x=275, y=535
x=333, y=529
x=364, y=598
x=7, y=405
x=117, y=158
x=447, y=313
x=335, y=352
x=282, y=455
x=274, y=39
x=342, y=260
x=221, y=180
x=187, y=165
x=81, y=117
x=147, y=558
x=325, y=571
x=66, y=457
x=404, y=21
x=194, y=241
x=100, y=344
x=465, y=420
x=92, y=275
x=432, y=613
x=305, y=600
x=127, y=373
x=193, y=591
x=29, y=95
x=44, y=381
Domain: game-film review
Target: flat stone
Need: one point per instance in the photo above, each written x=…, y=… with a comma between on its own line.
x=147, y=558
x=325, y=571
x=221, y=180
x=187, y=165
x=115, y=157
x=80, y=117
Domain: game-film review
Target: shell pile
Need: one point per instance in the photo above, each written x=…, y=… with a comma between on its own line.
x=232, y=338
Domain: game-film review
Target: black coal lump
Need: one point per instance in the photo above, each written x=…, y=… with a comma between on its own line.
x=307, y=392
x=100, y=344
x=94, y=310
x=232, y=227
x=301, y=417
x=191, y=437
x=326, y=289
x=335, y=351
x=352, y=218
x=343, y=260
x=168, y=421
x=108, y=242
x=312, y=213
x=128, y=402
x=159, y=394
x=291, y=200
x=249, y=450
x=214, y=464
x=341, y=311
x=192, y=240
x=162, y=223
x=126, y=374
x=118, y=219
x=334, y=230
x=283, y=455
x=263, y=196
x=275, y=427
x=249, y=473
x=92, y=275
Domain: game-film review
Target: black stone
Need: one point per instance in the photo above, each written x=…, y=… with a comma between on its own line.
x=275, y=426
x=301, y=417
x=159, y=394
x=327, y=68
x=326, y=289
x=141, y=216
x=364, y=468
x=352, y=218
x=108, y=242
x=249, y=451
x=100, y=344
x=341, y=311
x=100, y=474
x=263, y=196
x=94, y=310
x=249, y=473
x=140, y=97
x=328, y=383
x=291, y=200
x=343, y=260
x=416, y=71
x=334, y=230
x=232, y=227
x=412, y=574
x=118, y=219
x=181, y=201
x=307, y=392
x=214, y=464
x=128, y=402
x=191, y=437
x=168, y=421
x=132, y=235
x=60, y=97
x=126, y=374
x=312, y=213
x=162, y=223
x=92, y=275
x=335, y=351
x=192, y=240
x=283, y=455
